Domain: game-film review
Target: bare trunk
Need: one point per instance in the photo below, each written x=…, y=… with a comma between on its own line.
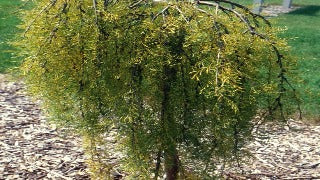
x=171, y=163
x=169, y=126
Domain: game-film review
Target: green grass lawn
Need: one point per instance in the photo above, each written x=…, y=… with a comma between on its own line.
x=303, y=34
x=304, y=37
x=8, y=23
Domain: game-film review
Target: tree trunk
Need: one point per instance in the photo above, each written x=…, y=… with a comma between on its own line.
x=171, y=163
x=169, y=125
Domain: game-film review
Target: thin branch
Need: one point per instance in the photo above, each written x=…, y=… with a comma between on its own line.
x=252, y=31
x=211, y=15
x=136, y=4
x=47, y=7
x=94, y=3
x=239, y=15
x=182, y=14
x=54, y=30
x=208, y=3
x=281, y=75
x=158, y=163
x=245, y=9
x=161, y=12
x=232, y=10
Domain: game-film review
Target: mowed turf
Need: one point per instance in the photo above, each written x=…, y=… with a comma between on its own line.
x=303, y=35
x=8, y=29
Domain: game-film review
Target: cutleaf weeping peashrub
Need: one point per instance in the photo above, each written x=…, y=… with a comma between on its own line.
x=180, y=81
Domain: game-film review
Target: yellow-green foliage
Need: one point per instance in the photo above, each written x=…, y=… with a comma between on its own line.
x=98, y=168
x=184, y=82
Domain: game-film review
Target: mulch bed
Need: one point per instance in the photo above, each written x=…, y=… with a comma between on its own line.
x=282, y=152
x=29, y=147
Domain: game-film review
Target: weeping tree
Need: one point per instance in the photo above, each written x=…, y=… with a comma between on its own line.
x=180, y=81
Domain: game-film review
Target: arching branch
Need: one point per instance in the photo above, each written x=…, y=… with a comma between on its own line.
x=252, y=30
x=46, y=8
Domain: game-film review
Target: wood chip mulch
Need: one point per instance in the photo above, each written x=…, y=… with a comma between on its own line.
x=282, y=152
x=29, y=147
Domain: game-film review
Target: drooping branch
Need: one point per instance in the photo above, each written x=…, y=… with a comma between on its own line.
x=48, y=40
x=136, y=4
x=46, y=8
x=252, y=30
x=162, y=12
x=225, y=9
x=233, y=4
x=94, y=4
x=251, y=26
x=182, y=14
